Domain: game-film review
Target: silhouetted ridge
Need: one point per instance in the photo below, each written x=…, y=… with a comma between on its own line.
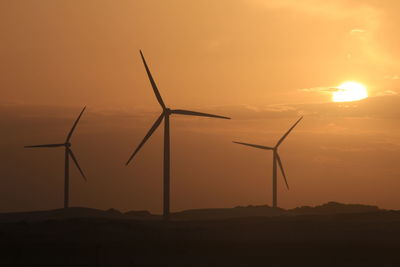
x=334, y=208
x=71, y=213
x=226, y=213
x=142, y=213
x=114, y=211
x=330, y=208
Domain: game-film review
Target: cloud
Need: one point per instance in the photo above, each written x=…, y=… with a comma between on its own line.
x=384, y=106
x=373, y=107
x=341, y=9
x=322, y=89
x=392, y=77
x=326, y=117
x=371, y=18
x=357, y=31
x=213, y=44
x=326, y=160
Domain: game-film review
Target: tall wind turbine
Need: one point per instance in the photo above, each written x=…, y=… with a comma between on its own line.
x=275, y=159
x=68, y=153
x=165, y=114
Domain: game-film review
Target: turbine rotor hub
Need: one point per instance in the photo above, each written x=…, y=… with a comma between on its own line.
x=68, y=144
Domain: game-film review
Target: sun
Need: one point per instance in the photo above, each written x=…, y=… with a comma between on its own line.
x=349, y=91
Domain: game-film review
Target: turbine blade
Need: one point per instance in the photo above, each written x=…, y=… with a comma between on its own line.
x=287, y=133
x=147, y=136
x=76, y=163
x=153, y=83
x=49, y=145
x=256, y=146
x=195, y=113
x=283, y=172
x=74, y=125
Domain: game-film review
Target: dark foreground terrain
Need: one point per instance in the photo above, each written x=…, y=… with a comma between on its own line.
x=330, y=235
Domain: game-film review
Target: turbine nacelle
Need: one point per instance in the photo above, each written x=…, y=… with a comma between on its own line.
x=167, y=111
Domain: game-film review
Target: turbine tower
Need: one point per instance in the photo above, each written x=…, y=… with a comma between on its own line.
x=68, y=153
x=276, y=159
x=165, y=114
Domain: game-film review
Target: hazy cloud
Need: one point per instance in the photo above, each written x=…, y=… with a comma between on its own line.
x=384, y=106
x=392, y=77
x=326, y=89
x=357, y=31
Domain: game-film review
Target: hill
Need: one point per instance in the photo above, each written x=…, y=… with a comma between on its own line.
x=74, y=213
x=329, y=208
x=110, y=238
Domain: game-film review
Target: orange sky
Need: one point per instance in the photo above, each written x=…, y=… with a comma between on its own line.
x=262, y=62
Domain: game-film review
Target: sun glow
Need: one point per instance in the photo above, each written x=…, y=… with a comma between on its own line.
x=349, y=91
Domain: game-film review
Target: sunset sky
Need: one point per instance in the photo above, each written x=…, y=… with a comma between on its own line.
x=264, y=63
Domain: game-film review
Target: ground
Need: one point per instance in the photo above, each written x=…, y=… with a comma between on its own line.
x=352, y=239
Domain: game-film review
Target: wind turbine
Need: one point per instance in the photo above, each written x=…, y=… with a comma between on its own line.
x=165, y=114
x=275, y=159
x=68, y=153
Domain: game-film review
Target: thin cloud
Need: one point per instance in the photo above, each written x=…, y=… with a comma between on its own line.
x=324, y=89
x=379, y=107
x=392, y=77
x=357, y=31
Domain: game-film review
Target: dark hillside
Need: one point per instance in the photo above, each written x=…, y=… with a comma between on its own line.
x=113, y=238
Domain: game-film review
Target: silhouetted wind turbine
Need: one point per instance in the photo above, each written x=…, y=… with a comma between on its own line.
x=165, y=115
x=275, y=159
x=68, y=152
